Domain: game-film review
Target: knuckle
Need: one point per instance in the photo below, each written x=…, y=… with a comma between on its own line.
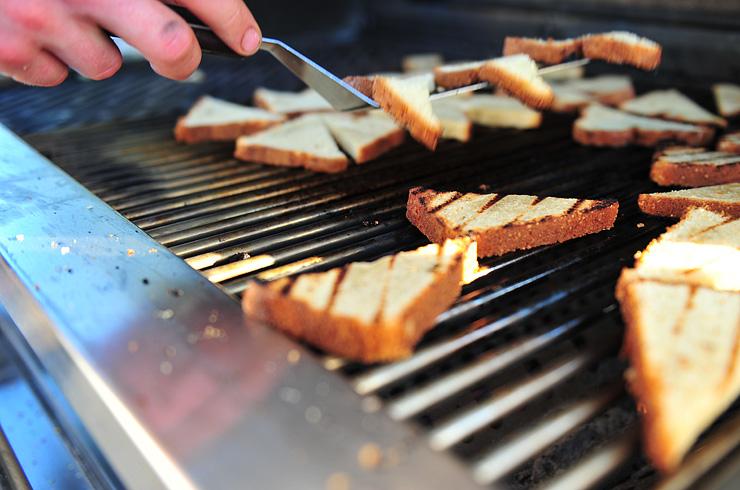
x=29, y=16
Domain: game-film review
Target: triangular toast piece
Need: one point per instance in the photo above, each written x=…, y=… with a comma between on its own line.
x=503, y=223
x=603, y=126
x=422, y=62
x=212, y=119
x=291, y=103
x=500, y=111
x=682, y=342
x=605, y=89
x=548, y=51
x=458, y=74
x=564, y=74
x=407, y=101
x=568, y=99
x=620, y=47
x=727, y=98
x=302, y=142
x=366, y=311
x=702, y=249
x=451, y=113
x=518, y=76
x=365, y=136
x=724, y=198
x=730, y=142
x=671, y=104
x=694, y=167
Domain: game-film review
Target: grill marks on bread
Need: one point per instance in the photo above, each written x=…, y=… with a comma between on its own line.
x=369, y=311
x=694, y=167
x=502, y=223
x=681, y=340
x=723, y=198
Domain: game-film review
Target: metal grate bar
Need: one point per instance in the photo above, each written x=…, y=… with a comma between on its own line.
x=533, y=440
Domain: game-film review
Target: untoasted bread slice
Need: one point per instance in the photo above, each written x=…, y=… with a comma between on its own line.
x=407, y=101
x=702, y=249
x=500, y=111
x=605, y=89
x=291, y=103
x=364, y=136
x=682, y=342
x=302, y=142
x=458, y=74
x=517, y=75
x=451, y=113
x=673, y=105
x=212, y=119
x=424, y=62
x=730, y=142
x=727, y=97
x=503, y=223
x=724, y=198
x=603, y=126
x=621, y=48
x=366, y=311
x=694, y=167
x=548, y=51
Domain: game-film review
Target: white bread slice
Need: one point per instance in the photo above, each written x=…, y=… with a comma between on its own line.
x=727, y=97
x=605, y=89
x=451, y=113
x=424, y=62
x=518, y=76
x=364, y=83
x=671, y=104
x=212, y=119
x=548, y=51
x=500, y=111
x=302, y=142
x=730, y=142
x=407, y=101
x=503, y=223
x=682, y=342
x=622, y=47
x=603, y=126
x=702, y=249
x=458, y=74
x=609, y=90
x=364, y=136
x=724, y=198
x=694, y=167
x=367, y=311
x=291, y=103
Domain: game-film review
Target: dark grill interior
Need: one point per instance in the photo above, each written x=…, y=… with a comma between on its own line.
x=521, y=377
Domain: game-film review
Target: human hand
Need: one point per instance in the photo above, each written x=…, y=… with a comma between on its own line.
x=41, y=39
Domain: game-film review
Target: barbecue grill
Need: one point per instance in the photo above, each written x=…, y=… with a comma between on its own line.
x=127, y=362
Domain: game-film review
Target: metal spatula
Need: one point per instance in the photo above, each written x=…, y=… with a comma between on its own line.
x=341, y=95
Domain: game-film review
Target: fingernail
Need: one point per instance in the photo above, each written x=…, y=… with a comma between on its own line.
x=251, y=41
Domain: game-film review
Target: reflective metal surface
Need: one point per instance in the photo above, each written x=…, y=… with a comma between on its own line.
x=174, y=388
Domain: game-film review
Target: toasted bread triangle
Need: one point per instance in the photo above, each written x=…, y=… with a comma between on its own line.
x=694, y=167
x=702, y=249
x=673, y=105
x=212, y=119
x=606, y=89
x=730, y=143
x=364, y=137
x=518, y=75
x=500, y=111
x=724, y=198
x=621, y=47
x=368, y=311
x=302, y=142
x=407, y=101
x=548, y=51
x=727, y=98
x=290, y=103
x=503, y=223
x=603, y=126
x=682, y=342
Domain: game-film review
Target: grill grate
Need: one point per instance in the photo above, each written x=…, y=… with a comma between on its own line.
x=520, y=377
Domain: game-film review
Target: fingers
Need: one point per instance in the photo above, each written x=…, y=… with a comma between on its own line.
x=162, y=36
x=76, y=43
x=28, y=64
x=231, y=20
